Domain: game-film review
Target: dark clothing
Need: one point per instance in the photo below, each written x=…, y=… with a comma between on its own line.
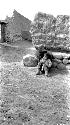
x=44, y=65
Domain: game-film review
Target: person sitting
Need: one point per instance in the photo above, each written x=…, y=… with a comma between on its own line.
x=44, y=65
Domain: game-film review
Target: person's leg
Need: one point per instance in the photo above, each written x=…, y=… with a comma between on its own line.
x=46, y=69
x=39, y=69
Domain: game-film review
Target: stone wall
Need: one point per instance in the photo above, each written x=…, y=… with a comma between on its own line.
x=50, y=31
x=17, y=24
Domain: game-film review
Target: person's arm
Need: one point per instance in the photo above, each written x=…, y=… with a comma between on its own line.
x=42, y=60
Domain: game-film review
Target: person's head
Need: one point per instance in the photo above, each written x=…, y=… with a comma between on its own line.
x=45, y=55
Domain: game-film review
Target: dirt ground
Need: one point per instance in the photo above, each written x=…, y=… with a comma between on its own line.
x=27, y=99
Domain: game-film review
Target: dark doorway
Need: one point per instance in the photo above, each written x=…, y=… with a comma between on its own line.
x=2, y=31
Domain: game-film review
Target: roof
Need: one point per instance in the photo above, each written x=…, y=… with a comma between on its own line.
x=3, y=21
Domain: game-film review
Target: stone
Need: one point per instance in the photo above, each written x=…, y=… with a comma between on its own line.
x=30, y=61
x=65, y=61
x=57, y=60
x=58, y=56
x=54, y=64
x=69, y=62
x=61, y=66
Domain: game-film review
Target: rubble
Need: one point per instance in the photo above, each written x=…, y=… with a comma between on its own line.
x=50, y=31
x=42, y=28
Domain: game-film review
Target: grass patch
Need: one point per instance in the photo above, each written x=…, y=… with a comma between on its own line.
x=30, y=99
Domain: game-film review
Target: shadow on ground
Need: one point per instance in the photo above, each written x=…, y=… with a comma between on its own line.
x=55, y=72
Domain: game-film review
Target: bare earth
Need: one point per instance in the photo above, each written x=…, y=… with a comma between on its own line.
x=27, y=99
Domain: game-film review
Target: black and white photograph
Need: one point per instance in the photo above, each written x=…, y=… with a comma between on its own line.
x=34, y=62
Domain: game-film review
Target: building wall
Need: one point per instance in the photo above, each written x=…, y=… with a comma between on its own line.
x=51, y=31
x=17, y=24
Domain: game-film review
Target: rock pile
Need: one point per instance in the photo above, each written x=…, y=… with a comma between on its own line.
x=61, y=61
x=42, y=28
x=50, y=31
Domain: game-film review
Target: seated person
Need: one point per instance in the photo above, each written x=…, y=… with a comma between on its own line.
x=44, y=64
